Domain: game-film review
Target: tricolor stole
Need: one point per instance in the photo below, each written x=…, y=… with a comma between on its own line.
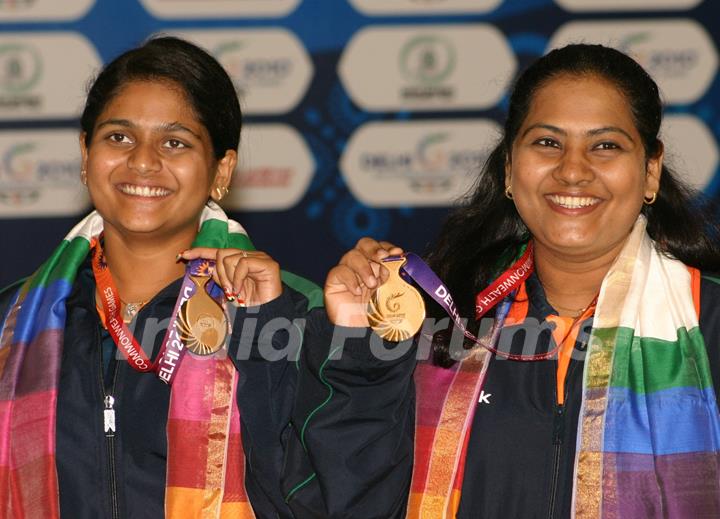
x=205, y=456
x=649, y=432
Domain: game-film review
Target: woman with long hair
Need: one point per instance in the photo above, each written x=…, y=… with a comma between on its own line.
x=594, y=392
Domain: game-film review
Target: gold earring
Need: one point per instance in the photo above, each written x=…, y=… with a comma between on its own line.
x=650, y=200
x=221, y=192
x=83, y=177
x=508, y=193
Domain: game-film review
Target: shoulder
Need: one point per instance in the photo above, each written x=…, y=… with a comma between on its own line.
x=303, y=292
x=710, y=308
x=709, y=292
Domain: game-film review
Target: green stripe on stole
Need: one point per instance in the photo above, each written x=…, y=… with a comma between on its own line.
x=214, y=233
x=646, y=364
x=62, y=264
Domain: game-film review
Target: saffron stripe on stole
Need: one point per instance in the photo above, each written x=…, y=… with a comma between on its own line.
x=672, y=421
x=185, y=501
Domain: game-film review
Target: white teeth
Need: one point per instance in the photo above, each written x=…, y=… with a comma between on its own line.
x=144, y=191
x=573, y=202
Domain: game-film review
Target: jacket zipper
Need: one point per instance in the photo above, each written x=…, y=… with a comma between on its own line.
x=558, y=430
x=558, y=435
x=109, y=429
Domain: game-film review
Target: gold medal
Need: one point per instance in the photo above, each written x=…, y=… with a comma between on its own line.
x=396, y=310
x=202, y=324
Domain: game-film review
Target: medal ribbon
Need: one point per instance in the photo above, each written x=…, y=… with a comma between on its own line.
x=497, y=291
x=172, y=349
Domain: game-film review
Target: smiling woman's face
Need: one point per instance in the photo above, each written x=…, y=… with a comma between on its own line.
x=578, y=170
x=150, y=164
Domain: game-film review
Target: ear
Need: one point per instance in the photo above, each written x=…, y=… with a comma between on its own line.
x=223, y=173
x=653, y=171
x=508, y=168
x=83, y=152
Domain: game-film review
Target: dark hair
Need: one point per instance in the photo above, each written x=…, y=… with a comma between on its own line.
x=484, y=234
x=202, y=79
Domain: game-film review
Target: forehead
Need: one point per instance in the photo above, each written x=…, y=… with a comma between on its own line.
x=150, y=99
x=580, y=101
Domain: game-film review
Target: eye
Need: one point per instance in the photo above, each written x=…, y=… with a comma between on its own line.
x=607, y=145
x=175, y=144
x=547, y=142
x=119, y=138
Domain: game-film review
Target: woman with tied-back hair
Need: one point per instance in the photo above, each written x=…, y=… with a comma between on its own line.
x=602, y=400
x=86, y=432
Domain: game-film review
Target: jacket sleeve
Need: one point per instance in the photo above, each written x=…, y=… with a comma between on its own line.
x=710, y=323
x=264, y=347
x=354, y=419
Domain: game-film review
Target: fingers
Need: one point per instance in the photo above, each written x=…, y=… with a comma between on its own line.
x=365, y=269
x=365, y=261
x=343, y=278
x=251, y=276
x=199, y=252
x=375, y=250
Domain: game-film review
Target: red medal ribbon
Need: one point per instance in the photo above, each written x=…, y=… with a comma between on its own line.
x=120, y=333
x=508, y=281
x=172, y=349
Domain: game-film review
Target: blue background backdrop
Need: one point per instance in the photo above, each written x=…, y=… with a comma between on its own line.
x=310, y=237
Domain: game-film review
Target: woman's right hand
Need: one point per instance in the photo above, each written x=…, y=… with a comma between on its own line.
x=350, y=284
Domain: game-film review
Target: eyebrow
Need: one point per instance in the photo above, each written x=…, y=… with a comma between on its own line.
x=167, y=127
x=593, y=132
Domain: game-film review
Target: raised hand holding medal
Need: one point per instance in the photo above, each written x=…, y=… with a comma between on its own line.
x=248, y=277
x=350, y=285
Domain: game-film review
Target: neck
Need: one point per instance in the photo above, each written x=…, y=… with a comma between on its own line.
x=571, y=284
x=141, y=267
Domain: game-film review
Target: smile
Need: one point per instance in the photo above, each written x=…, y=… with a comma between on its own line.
x=143, y=191
x=573, y=202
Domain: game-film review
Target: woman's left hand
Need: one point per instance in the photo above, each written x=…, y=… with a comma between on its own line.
x=250, y=277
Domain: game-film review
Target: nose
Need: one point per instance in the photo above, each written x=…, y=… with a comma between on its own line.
x=573, y=167
x=144, y=159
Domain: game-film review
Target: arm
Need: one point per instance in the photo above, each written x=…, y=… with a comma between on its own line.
x=354, y=418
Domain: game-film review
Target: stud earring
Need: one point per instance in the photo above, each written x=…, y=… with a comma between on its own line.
x=221, y=192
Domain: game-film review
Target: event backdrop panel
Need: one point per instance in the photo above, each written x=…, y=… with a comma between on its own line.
x=362, y=117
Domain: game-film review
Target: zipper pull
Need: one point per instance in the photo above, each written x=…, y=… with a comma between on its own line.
x=109, y=416
x=558, y=424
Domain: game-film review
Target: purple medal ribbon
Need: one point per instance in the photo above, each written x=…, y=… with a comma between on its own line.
x=417, y=270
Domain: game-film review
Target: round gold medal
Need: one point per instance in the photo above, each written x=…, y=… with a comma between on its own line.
x=202, y=324
x=396, y=310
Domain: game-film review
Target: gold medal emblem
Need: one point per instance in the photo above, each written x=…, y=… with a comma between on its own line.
x=396, y=310
x=201, y=321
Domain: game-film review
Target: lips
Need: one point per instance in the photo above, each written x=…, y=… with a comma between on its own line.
x=143, y=191
x=573, y=202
